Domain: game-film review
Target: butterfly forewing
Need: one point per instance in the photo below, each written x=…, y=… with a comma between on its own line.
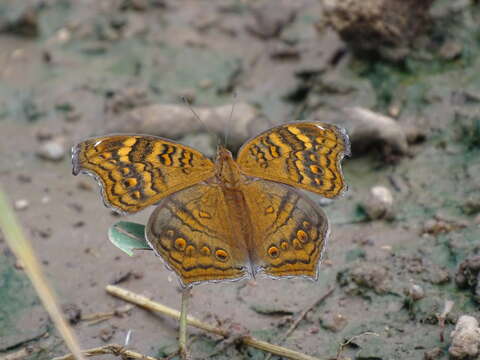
x=135, y=171
x=307, y=155
x=289, y=230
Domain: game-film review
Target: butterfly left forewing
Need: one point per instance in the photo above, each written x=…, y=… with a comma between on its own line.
x=136, y=171
x=307, y=155
x=289, y=230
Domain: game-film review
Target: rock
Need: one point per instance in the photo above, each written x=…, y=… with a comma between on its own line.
x=72, y=313
x=415, y=292
x=433, y=354
x=123, y=100
x=472, y=205
x=384, y=26
x=281, y=51
x=333, y=322
x=107, y=333
x=379, y=203
x=439, y=226
x=451, y=50
x=365, y=276
x=468, y=274
x=372, y=276
x=21, y=204
x=85, y=186
x=53, y=150
x=24, y=178
x=465, y=338
x=20, y=19
x=271, y=310
x=270, y=18
x=367, y=129
x=175, y=121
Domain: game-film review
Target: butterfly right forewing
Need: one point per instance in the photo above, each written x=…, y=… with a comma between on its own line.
x=307, y=155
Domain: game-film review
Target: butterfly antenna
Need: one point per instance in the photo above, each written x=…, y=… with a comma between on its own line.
x=228, y=124
x=205, y=125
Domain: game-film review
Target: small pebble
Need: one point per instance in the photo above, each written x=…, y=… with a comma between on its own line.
x=72, y=312
x=21, y=204
x=106, y=334
x=416, y=292
x=333, y=322
x=451, y=50
x=24, y=178
x=379, y=204
x=83, y=185
x=435, y=353
x=53, y=150
x=205, y=84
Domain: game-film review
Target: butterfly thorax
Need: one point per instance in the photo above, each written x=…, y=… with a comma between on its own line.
x=227, y=171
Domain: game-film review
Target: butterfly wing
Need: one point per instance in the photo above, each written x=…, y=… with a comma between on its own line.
x=307, y=155
x=191, y=231
x=136, y=171
x=289, y=230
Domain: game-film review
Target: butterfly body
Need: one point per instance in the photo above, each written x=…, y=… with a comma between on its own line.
x=229, y=219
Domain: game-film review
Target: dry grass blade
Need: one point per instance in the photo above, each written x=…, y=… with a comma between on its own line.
x=23, y=250
x=113, y=349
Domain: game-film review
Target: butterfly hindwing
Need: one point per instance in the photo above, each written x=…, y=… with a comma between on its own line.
x=136, y=171
x=289, y=230
x=193, y=232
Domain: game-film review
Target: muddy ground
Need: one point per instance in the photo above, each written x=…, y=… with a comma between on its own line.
x=70, y=70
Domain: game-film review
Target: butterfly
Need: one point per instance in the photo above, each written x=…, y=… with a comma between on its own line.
x=226, y=219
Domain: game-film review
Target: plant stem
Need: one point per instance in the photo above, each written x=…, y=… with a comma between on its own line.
x=182, y=339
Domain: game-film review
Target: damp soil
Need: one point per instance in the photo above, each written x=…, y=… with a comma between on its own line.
x=67, y=66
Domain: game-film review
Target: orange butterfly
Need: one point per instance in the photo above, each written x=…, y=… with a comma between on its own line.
x=226, y=220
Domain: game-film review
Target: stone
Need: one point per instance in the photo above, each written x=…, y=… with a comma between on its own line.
x=416, y=292
x=21, y=204
x=465, y=338
x=368, y=129
x=379, y=203
x=333, y=321
x=176, y=121
x=270, y=18
x=384, y=26
x=52, y=150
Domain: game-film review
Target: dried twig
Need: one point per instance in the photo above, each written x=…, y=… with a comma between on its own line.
x=342, y=345
x=114, y=349
x=302, y=315
x=21, y=354
x=95, y=318
x=306, y=311
x=247, y=340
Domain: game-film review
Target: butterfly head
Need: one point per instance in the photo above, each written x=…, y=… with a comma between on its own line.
x=227, y=170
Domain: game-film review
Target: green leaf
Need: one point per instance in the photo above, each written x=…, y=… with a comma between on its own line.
x=128, y=236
